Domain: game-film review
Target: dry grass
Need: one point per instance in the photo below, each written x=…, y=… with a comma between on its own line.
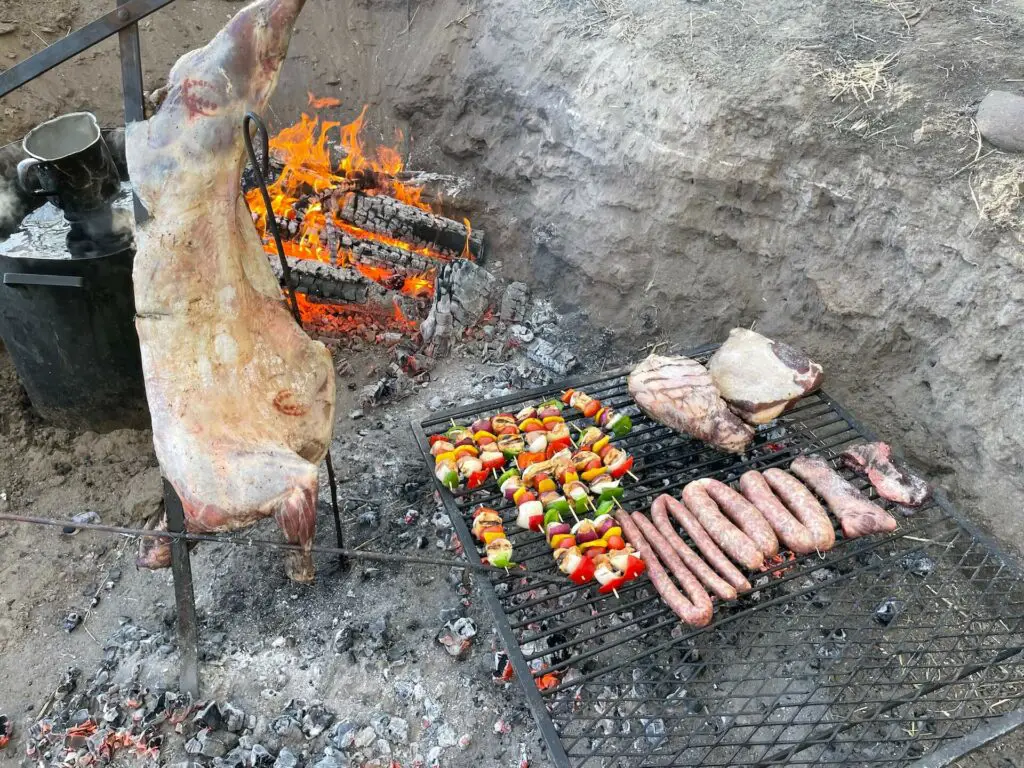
x=998, y=193
x=910, y=12
x=860, y=80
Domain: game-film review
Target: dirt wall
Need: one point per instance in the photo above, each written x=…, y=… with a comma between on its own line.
x=807, y=167
x=680, y=168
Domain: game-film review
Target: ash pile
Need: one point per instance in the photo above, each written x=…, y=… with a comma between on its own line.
x=475, y=317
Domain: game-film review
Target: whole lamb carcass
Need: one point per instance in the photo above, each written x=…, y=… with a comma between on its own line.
x=242, y=401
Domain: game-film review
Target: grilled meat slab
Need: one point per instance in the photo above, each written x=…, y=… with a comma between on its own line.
x=760, y=378
x=892, y=481
x=679, y=393
x=242, y=401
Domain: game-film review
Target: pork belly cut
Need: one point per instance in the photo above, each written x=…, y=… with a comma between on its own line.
x=760, y=378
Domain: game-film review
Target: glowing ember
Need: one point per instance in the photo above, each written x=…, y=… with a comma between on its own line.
x=775, y=561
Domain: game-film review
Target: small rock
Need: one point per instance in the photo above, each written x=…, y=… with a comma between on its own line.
x=286, y=759
x=71, y=621
x=344, y=639
x=433, y=756
x=343, y=735
x=435, y=403
x=7, y=27
x=365, y=737
x=398, y=730
x=464, y=741
x=278, y=642
x=446, y=736
x=327, y=761
x=356, y=414
x=1000, y=119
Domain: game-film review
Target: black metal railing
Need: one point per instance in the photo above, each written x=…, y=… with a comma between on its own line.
x=878, y=652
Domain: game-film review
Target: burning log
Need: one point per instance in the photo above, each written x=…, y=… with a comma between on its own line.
x=324, y=281
x=421, y=229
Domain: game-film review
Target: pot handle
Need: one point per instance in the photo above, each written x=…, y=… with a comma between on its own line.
x=53, y=281
x=25, y=168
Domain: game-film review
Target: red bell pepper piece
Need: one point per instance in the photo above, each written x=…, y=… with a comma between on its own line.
x=437, y=438
x=554, y=446
x=584, y=571
x=622, y=468
x=612, y=585
x=477, y=479
x=634, y=567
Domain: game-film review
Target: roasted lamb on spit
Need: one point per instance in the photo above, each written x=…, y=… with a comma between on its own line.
x=242, y=401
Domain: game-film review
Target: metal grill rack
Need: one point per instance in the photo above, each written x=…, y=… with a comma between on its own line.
x=885, y=651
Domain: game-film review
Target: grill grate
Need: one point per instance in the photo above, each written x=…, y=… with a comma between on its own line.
x=803, y=670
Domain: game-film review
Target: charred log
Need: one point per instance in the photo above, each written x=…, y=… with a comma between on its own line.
x=324, y=281
x=387, y=216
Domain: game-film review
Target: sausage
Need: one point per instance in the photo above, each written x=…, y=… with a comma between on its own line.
x=731, y=539
x=804, y=506
x=691, y=559
x=694, y=611
x=744, y=514
x=791, y=532
x=715, y=556
x=857, y=515
x=695, y=592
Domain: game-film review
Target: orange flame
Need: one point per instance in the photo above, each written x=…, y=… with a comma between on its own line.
x=323, y=102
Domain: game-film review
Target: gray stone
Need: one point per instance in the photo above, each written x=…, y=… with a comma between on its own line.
x=398, y=730
x=446, y=736
x=365, y=737
x=1000, y=119
x=286, y=759
x=327, y=761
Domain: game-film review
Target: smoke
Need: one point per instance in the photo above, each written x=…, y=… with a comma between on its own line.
x=12, y=209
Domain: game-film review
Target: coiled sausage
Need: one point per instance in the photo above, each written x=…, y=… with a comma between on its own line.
x=731, y=539
x=707, y=546
x=704, y=572
x=695, y=607
x=744, y=514
x=791, y=532
x=804, y=506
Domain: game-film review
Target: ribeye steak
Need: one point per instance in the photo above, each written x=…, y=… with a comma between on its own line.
x=242, y=401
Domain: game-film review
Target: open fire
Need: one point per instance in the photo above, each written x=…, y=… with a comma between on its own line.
x=339, y=203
